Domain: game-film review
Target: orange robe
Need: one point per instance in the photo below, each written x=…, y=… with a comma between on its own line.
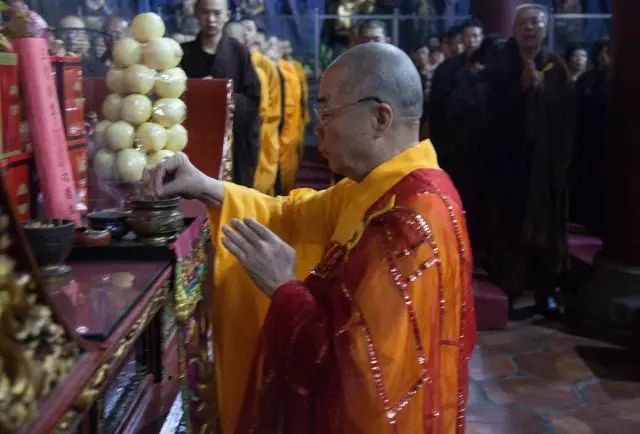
x=270, y=106
x=290, y=136
x=385, y=318
x=306, y=115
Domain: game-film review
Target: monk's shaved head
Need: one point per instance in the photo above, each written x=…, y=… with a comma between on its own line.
x=382, y=71
x=234, y=30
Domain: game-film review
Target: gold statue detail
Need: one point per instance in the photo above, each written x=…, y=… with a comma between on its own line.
x=347, y=9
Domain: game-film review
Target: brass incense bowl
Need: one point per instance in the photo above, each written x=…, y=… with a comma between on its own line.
x=155, y=220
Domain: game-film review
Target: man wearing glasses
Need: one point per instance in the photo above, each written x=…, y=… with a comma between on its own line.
x=213, y=55
x=376, y=337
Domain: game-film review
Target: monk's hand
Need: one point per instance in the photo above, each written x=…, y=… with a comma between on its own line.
x=269, y=261
x=177, y=176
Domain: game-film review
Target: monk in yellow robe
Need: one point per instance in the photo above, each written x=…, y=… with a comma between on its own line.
x=290, y=136
x=267, y=169
x=377, y=337
x=306, y=115
x=270, y=108
x=287, y=54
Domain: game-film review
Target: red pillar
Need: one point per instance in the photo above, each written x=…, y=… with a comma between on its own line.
x=496, y=15
x=622, y=239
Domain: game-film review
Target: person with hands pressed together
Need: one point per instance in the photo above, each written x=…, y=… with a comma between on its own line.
x=348, y=310
x=532, y=116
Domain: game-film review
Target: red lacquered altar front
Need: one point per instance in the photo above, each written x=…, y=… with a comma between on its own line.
x=135, y=310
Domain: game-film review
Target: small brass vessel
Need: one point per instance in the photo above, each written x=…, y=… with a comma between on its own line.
x=154, y=220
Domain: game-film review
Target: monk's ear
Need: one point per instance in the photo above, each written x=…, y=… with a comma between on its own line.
x=383, y=119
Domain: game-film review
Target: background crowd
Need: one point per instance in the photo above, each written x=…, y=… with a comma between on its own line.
x=520, y=130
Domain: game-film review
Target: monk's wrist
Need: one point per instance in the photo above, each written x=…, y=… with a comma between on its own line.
x=290, y=285
x=211, y=192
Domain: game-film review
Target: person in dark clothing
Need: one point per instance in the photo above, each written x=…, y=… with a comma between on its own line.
x=372, y=31
x=466, y=109
x=212, y=55
x=442, y=85
x=94, y=65
x=97, y=64
x=577, y=60
x=451, y=43
x=587, y=171
x=422, y=59
x=532, y=112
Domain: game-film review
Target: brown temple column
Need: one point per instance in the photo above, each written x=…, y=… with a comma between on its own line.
x=612, y=294
x=622, y=243
x=496, y=15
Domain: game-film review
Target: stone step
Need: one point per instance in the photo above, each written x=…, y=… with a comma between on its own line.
x=626, y=309
x=492, y=305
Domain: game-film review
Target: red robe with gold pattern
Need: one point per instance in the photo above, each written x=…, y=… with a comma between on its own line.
x=377, y=338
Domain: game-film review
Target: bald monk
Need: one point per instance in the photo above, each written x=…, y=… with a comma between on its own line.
x=75, y=35
x=234, y=30
x=287, y=54
x=376, y=338
x=266, y=170
x=270, y=108
x=292, y=127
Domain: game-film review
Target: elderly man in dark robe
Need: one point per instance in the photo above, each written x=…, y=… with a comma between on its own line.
x=213, y=55
x=530, y=103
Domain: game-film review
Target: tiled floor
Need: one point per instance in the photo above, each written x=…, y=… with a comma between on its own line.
x=537, y=377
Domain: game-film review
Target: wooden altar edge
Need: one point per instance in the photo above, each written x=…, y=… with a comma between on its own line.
x=141, y=401
x=170, y=357
x=149, y=413
x=157, y=398
x=129, y=250
x=77, y=392
x=153, y=399
x=146, y=284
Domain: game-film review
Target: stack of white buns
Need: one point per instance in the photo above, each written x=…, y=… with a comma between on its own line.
x=142, y=117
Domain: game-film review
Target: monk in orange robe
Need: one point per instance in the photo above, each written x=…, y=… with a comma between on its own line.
x=376, y=338
x=287, y=54
x=291, y=134
x=270, y=108
x=267, y=169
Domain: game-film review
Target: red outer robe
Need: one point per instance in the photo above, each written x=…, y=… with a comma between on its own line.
x=377, y=338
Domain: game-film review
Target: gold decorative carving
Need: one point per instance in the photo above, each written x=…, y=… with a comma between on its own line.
x=347, y=9
x=35, y=351
x=226, y=167
x=185, y=271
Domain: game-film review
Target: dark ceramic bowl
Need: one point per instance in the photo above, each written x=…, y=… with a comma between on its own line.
x=87, y=237
x=51, y=240
x=113, y=220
